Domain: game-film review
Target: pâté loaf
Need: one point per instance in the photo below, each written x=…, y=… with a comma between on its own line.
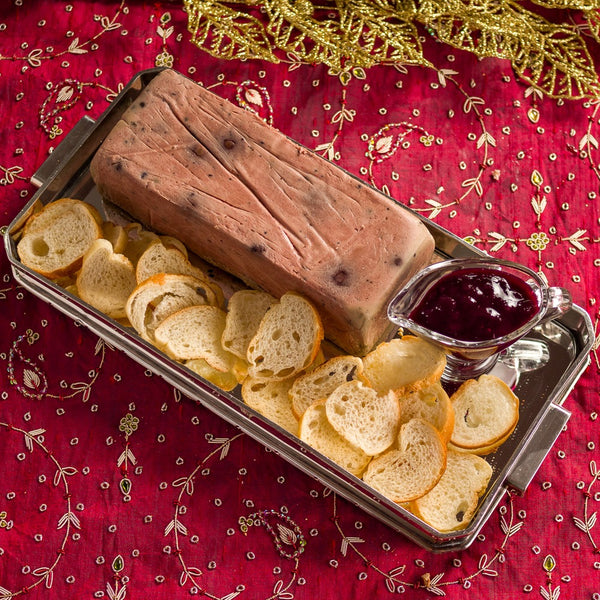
x=253, y=202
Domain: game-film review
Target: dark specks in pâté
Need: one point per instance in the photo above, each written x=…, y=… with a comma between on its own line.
x=398, y=261
x=118, y=166
x=341, y=277
x=142, y=104
x=144, y=174
x=258, y=248
x=197, y=149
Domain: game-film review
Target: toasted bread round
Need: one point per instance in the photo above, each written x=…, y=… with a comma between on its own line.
x=106, y=279
x=287, y=341
x=366, y=419
x=224, y=380
x=432, y=404
x=116, y=235
x=404, y=364
x=486, y=411
x=482, y=450
x=172, y=242
x=321, y=381
x=195, y=332
x=316, y=430
x=271, y=399
x=412, y=468
x=162, y=295
x=245, y=311
x=55, y=239
x=161, y=258
x=451, y=504
x=138, y=240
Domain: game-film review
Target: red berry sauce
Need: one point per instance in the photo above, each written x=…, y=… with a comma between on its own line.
x=473, y=305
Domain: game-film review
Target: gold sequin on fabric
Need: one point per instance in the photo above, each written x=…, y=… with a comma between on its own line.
x=552, y=56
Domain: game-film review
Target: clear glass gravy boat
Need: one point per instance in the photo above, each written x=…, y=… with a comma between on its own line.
x=466, y=358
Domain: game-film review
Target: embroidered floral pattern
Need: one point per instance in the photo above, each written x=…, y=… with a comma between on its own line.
x=164, y=59
x=538, y=240
x=128, y=424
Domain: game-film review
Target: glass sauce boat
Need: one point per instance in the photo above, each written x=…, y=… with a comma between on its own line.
x=475, y=309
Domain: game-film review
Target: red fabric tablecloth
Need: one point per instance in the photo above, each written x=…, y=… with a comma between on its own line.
x=114, y=485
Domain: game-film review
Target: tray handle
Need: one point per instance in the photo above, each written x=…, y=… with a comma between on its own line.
x=62, y=151
x=537, y=448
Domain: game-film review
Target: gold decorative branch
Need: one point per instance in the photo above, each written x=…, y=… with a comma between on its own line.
x=552, y=56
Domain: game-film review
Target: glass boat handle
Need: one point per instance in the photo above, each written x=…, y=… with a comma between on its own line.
x=559, y=302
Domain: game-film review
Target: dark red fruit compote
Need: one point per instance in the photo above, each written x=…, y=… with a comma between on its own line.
x=476, y=304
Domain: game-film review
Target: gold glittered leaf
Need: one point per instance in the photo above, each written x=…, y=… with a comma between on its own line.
x=349, y=36
x=552, y=57
x=355, y=33
x=568, y=4
x=227, y=33
x=592, y=18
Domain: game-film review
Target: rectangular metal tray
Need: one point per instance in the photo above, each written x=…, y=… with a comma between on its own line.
x=567, y=341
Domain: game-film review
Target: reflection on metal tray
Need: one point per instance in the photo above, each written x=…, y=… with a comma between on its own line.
x=561, y=348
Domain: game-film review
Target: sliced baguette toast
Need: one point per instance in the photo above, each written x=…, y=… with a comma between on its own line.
x=366, y=419
x=162, y=295
x=195, y=332
x=116, y=235
x=138, y=240
x=481, y=450
x=271, y=399
x=486, y=411
x=451, y=504
x=317, y=432
x=320, y=382
x=404, y=364
x=55, y=239
x=106, y=279
x=161, y=258
x=411, y=468
x=287, y=340
x=245, y=311
x=432, y=404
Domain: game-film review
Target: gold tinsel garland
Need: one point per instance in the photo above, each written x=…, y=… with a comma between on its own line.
x=552, y=56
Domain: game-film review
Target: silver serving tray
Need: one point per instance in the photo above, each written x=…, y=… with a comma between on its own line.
x=566, y=344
